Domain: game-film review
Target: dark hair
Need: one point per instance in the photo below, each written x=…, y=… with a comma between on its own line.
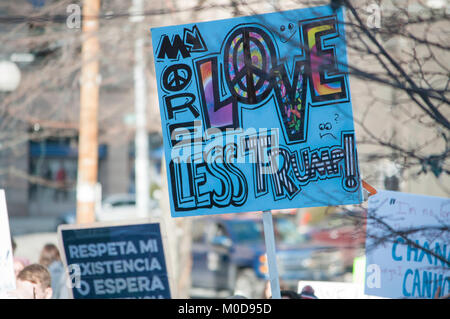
x=308, y=293
x=36, y=274
x=13, y=244
x=289, y=294
x=236, y=297
x=49, y=254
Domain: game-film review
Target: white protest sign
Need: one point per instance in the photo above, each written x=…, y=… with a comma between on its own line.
x=335, y=290
x=407, y=245
x=7, y=276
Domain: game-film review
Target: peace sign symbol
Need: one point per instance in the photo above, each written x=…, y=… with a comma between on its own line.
x=176, y=77
x=249, y=56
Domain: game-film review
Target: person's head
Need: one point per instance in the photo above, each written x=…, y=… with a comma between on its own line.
x=49, y=254
x=13, y=245
x=34, y=282
x=289, y=294
x=236, y=297
x=308, y=293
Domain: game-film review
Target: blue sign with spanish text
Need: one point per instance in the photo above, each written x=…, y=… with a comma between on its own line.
x=124, y=261
x=256, y=113
x=407, y=246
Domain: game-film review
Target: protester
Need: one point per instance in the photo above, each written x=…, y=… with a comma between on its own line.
x=308, y=293
x=33, y=282
x=50, y=258
x=289, y=294
x=236, y=297
x=267, y=292
x=438, y=292
x=60, y=179
x=18, y=262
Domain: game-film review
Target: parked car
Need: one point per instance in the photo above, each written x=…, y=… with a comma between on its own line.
x=345, y=230
x=113, y=208
x=117, y=207
x=229, y=255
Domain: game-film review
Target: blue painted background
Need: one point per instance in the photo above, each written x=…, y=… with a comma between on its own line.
x=279, y=42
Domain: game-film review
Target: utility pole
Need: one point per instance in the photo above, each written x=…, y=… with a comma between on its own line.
x=141, y=167
x=88, y=133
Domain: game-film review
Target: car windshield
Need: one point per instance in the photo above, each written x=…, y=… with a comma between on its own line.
x=245, y=231
x=123, y=203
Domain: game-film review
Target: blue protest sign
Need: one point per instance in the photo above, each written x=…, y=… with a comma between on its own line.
x=407, y=246
x=256, y=113
x=125, y=261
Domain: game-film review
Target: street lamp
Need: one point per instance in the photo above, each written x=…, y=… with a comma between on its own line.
x=9, y=76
